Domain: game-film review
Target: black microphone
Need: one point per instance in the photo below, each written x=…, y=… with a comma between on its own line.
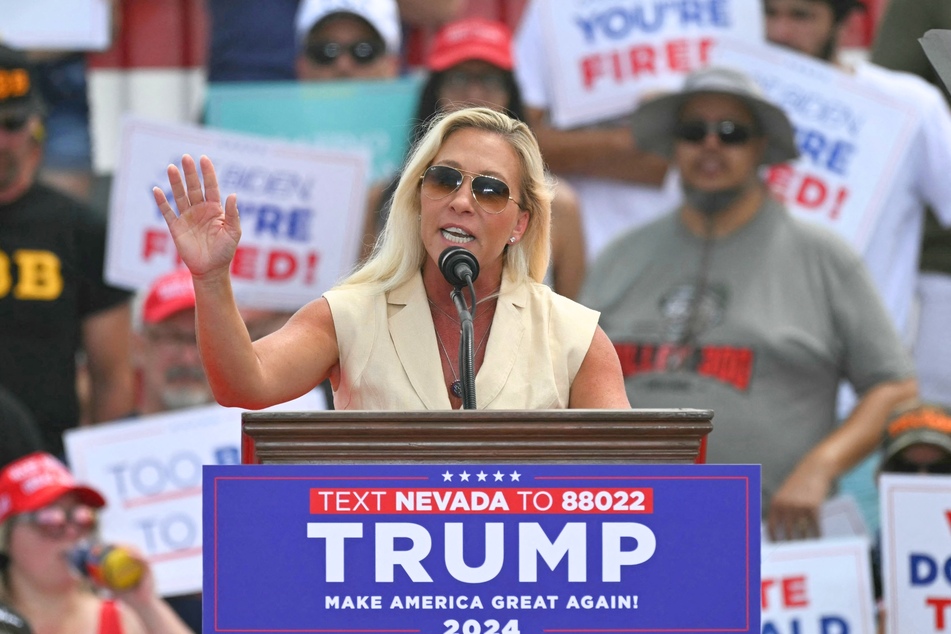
x=458, y=266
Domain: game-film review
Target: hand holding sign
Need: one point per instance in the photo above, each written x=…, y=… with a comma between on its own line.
x=794, y=509
x=205, y=235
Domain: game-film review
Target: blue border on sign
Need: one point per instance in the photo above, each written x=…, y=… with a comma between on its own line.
x=264, y=574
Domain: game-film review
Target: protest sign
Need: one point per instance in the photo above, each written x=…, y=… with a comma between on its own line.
x=916, y=552
x=817, y=587
x=851, y=138
x=840, y=516
x=482, y=549
x=56, y=24
x=375, y=115
x=302, y=211
x=604, y=55
x=149, y=470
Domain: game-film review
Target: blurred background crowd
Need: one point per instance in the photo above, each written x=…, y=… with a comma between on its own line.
x=77, y=350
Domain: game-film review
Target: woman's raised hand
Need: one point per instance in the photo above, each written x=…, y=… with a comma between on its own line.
x=205, y=234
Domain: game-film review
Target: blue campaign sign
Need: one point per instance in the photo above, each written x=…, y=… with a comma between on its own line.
x=481, y=549
x=376, y=115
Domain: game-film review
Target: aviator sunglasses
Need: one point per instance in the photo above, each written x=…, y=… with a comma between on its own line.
x=326, y=53
x=491, y=194
x=729, y=132
x=51, y=521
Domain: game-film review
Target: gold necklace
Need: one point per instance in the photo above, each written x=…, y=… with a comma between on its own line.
x=456, y=386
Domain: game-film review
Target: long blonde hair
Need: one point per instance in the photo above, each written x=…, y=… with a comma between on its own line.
x=399, y=252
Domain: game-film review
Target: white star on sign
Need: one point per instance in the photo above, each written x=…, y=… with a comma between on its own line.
x=515, y=476
x=498, y=476
x=481, y=475
x=447, y=477
x=464, y=476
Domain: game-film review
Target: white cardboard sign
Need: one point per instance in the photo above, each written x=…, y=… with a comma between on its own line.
x=817, y=587
x=916, y=552
x=852, y=138
x=149, y=470
x=604, y=55
x=301, y=207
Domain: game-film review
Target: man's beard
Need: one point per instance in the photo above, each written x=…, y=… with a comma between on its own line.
x=185, y=397
x=185, y=387
x=713, y=202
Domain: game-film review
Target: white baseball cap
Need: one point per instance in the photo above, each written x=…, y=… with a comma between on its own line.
x=382, y=15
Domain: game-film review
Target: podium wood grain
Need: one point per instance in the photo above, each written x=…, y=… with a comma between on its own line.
x=671, y=436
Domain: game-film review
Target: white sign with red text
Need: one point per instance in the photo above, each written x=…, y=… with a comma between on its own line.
x=301, y=208
x=851, y=138
x=150, y=469
x=817, y=587
x=916, y=552
x=604, y=55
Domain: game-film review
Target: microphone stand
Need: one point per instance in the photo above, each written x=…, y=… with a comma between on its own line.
x=466, y=354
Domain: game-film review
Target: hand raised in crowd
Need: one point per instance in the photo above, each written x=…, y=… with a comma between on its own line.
x=205, y=234
x=794, y=510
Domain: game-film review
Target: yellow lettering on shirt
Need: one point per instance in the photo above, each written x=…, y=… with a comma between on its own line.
x=40, y=275
x=5, y=278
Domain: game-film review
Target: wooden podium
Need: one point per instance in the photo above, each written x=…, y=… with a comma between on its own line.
x=673, y=436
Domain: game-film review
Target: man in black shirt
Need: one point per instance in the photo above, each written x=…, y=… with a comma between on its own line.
x=53, y=300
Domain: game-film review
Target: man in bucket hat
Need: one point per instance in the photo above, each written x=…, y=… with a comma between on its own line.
x=731, y=304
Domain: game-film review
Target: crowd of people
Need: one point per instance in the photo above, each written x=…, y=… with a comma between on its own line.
x=639, y=262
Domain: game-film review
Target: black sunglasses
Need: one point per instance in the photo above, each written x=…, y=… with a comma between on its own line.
x=14, y=122
x=729, y=132
x=326, y=53
x=491, y=194
x=902, y=465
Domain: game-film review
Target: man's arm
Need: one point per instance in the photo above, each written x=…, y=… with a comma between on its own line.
x=598, y=152
x=107, y=341
x=794, y=510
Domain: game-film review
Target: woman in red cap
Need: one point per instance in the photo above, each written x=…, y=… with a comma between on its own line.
x=44, y=516
x=470, y=64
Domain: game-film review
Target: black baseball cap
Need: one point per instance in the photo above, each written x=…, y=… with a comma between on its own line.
x=18, y=90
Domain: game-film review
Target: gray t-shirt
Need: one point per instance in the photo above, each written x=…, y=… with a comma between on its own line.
x=788, y=310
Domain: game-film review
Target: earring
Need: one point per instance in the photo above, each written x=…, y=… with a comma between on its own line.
x=512, y=239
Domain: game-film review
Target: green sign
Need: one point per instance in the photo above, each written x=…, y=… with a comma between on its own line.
x=373, y=114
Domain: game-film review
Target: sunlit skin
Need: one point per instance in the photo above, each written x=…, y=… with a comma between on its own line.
x=807, y=26
x=479, y=152
x=345, y=30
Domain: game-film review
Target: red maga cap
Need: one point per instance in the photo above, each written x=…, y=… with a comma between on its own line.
x=169, y=294
x=38, y=480
x=471, y=39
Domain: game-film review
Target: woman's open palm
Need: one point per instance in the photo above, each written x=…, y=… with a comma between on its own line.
x=205, y=234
